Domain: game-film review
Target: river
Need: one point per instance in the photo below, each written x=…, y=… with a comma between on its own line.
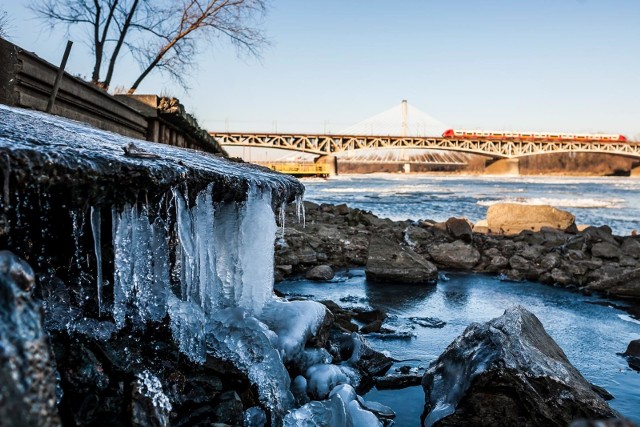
x=614, y=201
x=590, y=330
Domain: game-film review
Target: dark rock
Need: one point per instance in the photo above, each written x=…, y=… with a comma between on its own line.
x=631, y=247
x=605, y=250
x=612, y=422
x=368, y=316
x=149, y=405
x=599, y=234
x=388, y=262
x=428, y=322
x=459, y=228
x=342, y=317
x=398, y=381
x=457, y=255
x=320, y=273
x=341, y=209
x=633, y=349
x=371, y=327
x=625, y=284
x=230, y=409
x=507, y=371
x=27, y=369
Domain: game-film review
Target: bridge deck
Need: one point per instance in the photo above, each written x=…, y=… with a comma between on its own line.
x=334, y=144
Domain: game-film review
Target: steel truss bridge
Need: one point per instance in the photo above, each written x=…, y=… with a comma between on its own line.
x=334, y=144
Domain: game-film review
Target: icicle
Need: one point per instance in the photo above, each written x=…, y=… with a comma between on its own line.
x=257, y=234
x=282, y=214
x=300, y=210
x=228, y=269
x=122, y=263
x=77, y=227
x=97, y=245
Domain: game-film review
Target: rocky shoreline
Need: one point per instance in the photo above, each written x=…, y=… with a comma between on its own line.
x=336, y=236
x=553, y=252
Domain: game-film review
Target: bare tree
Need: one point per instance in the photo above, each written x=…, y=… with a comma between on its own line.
x=4, y=23
x=161, y=34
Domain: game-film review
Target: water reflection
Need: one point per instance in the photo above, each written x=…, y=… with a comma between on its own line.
x=397, y=297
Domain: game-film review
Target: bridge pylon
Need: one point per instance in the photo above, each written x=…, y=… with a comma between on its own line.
x=330, y=161
x=509, y=167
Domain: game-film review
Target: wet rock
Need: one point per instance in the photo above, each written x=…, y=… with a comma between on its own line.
x=230, y=410
x=27, y=369
x=398, y=381
x=368, y=316
x=389, y=262
x=457, y=255
x=633, y=354
x=605, y=250
x=511, y=218
x=371, y=327
x=507, y=371
x=459, y=228
x=428, y=322
x=342, y=317
x=612, y=422
x=150, y=406
x=626, y=284
x=320, y=273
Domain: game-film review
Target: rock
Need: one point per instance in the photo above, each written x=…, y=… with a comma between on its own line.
x=481, y=226
x=497, y=263
x=368, y=316
x=599, y=234
x=342, y=317
x=371, y=327
x=507, y=371
x=320, y=273
x=612, y=422
x=633, y=349
x=459, y=228
x=27, y=367
x=626, y=284
x=550, y=261
x=149, y=405
x=633, y=354
x=398, y=381
x=631, y=247
x=455, y=255
x=230, y=410
x=512, y=218
x=605, y=250
x=389, y=262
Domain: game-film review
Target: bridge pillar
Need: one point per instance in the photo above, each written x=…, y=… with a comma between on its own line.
x=330, y=161
x=502, y=167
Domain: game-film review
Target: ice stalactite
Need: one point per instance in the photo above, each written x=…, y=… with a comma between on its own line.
x=97, y=245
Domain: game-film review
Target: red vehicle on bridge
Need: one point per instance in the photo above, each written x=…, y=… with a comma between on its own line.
x=531, y=136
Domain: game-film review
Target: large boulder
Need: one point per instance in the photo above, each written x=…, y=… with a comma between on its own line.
x=320, y=273
x=506, y=372
x=512, y=218
x=389, y=262
x=460, y=228
x=455, y=255
x=27, y=367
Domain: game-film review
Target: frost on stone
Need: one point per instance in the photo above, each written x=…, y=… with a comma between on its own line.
x=294, y=323
x=321, y=379
x=233, y=334
x=341, y=409
x=151, y=387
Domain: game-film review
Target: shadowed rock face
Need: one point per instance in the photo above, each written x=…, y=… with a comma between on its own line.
x=505, y=372
x=27, y=370
x=68, y=198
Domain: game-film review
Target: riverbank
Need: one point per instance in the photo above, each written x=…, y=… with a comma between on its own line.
x=337, y=236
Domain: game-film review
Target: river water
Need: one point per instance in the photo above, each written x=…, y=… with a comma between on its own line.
x=590, y=330
x=614, y=201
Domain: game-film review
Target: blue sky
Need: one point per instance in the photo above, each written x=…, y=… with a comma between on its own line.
x=556, y=65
